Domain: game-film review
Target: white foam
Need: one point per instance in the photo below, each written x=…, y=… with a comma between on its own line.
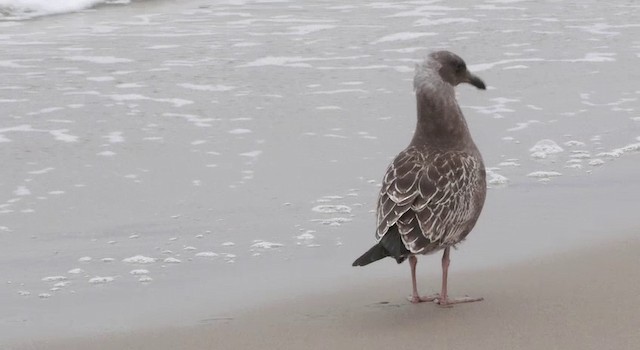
x=177, y=102
x=331, y=208
x=295, y=61
x=12, y=63
x=521, y=126
x=573, y=166
x=338, y=91
x=172, y=260
x=114, y=137
x=46, y=110
x=76, y=271
x=616, y=153
x=519, y=66
x=260, y=244
x=22, y=191
x=228, y=244
x=161, y=47
x=54, y=278
x=594, y=57
x=106, y=153
x=61, y=135
x=544, y=174
x=580, y=155
x=206, y=255
x=44, y=295
x=633, y=147
x=509, y=164
x=306, y=236
x=85, y=259
x=40, y=172
x=402, y=36
x=207, y=87
x=252, y=154
x=545, y=147
x=279, y=61
x=247, y=44
x=24, y=9
x=145, y=279
x=195, y=119
x=485, y=66
x=130, y=85
x=101, y=280
x=596, y=162
x=139, y=259
x=331, y=197
x=101, y=79
x=99, y=59
x=239, y=131
x=307, y=29
x=574, y=143
x=440, y=21
x=333, y=221
x=496, y=179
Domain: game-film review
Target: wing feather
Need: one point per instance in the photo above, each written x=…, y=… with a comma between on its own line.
x=432, y=197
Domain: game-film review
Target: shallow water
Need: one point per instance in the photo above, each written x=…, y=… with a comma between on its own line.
x=245, y=141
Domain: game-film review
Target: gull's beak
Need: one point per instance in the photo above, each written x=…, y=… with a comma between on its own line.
x=475, y=81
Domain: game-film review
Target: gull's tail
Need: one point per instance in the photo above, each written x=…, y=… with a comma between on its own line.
x=390, y=245
x=376, y=253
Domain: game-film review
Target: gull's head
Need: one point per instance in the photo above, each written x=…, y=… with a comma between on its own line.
x=447, y=67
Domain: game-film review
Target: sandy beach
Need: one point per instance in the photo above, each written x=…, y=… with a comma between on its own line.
x=586, y=299
x=201, y=175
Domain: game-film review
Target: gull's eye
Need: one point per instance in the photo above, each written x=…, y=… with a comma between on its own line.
x=460, y=67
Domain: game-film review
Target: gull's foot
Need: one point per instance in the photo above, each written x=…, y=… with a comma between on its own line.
x=415, y=299
x=449, y=302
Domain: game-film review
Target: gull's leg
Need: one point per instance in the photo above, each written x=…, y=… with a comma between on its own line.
x=444, y=299
x=415, y=297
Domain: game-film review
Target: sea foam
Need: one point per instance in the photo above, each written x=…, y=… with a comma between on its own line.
x=25, y=9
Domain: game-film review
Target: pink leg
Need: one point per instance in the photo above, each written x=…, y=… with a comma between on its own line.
x=415, y=297
x=444, y=299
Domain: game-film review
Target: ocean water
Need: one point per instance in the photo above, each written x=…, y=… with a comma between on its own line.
x=15, y=10
x=170, y=161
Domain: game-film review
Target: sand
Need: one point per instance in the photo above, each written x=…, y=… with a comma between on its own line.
x=167, y=129
x=587, y=299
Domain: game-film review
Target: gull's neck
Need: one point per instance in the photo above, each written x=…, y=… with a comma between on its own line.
x=440, y=120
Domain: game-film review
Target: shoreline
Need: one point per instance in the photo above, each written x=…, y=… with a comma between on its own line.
x=585, y=299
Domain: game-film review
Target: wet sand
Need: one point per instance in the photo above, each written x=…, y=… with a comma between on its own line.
x=587, y=299
x=259, y=131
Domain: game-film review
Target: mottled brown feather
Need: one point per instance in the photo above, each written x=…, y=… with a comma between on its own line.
x=433, y=196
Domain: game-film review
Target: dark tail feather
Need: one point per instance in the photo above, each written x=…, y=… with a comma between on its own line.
x=390, y=245
x=376, y=253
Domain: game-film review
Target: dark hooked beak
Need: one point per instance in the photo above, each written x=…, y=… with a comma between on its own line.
x=475, y=81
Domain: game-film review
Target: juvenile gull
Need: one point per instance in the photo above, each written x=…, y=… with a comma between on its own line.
x=434, y=190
